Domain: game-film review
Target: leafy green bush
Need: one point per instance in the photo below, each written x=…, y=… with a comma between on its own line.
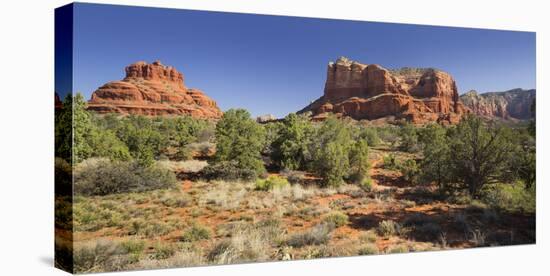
x=336, y=218
x=102, y=177
x=228, y=170
x=510, y=197
x=272, y=182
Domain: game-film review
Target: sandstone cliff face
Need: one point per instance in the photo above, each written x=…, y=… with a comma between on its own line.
x=152, y=89
x=371, y=92
x=511, y=104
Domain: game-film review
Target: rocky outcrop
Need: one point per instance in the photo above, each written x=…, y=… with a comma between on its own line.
x=58, y=104
x=371, y=92
x=511, y=104
x=152, y=89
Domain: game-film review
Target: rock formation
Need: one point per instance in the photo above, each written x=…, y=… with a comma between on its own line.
x=371, y=92
x=58, y=104
x=511, y=104
x=152, y=89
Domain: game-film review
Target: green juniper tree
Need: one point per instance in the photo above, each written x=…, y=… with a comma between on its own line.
x=331, y=151
x=240, y=139
x=291, y=148
x=479, y=153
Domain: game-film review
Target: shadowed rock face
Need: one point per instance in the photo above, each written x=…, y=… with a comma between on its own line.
x=152, y=89
x=511, y=104
x=371, y=92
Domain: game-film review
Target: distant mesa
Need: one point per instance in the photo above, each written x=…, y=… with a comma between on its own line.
x=513, y=104
x=266, y=118
x=371, y=92
x=154, y=90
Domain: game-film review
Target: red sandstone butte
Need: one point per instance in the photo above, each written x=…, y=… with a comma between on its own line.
x=154, y=90
x=371, y=92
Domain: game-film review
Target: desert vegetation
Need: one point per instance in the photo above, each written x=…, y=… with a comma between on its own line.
x=178, y=191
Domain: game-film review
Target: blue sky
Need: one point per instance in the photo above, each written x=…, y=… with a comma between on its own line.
x=277, y=65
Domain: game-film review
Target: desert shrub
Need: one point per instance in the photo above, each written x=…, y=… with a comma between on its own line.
x=387, y=228
x=460, y=198
x=240, y=139
x=228, y=170
x=409, y=138
x=294, y=177
x=366, y=184
x=220, y=250
x=389, y=134
x=102, y=177
x=182, y=154
x=397, y=249
x=291, y=147
x=247, y=243
x=369, y=237
x=100, y=256
x=369, y=249
x=336, y=218
x=319, y=234
x=189, y=166
x=195, y=233
x=176, y=201
x=410, y=170
x=163, y=251
x=134, y=248
x=390, y=162
x=370, y=135
x=154, y=229
x=201, y=149
x=272, y=182
x=478, y=238
x=359, y=161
